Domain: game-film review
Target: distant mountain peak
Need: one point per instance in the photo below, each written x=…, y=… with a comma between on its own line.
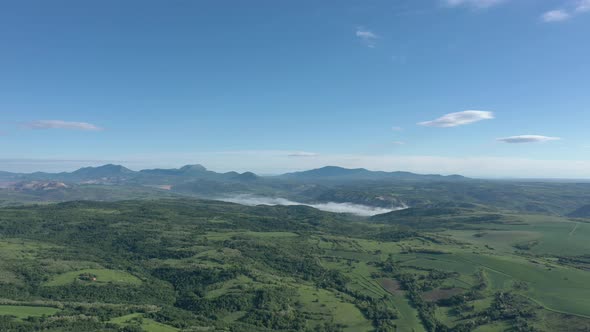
x=328, y=171
x=105, y=168
x=341, y=173
x=247, y=176
x=193, y=168
x=338, y=168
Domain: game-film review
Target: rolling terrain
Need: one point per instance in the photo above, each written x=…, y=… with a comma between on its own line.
x=387, y=190
x=192, y=265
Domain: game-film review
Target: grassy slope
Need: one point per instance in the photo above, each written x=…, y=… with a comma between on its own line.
x=22, y=312
x=148, y=325
x=103, y=276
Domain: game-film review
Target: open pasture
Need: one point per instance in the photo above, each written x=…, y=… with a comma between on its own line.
x=21, y=312
x=555, y=287
x=542, y=235
x=103, y=276
x=148, y=325
x=322, y=304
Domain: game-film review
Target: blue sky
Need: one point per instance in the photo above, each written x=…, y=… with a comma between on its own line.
x=273, y=86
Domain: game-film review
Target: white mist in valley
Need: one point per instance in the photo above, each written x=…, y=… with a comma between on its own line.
x=357, y=209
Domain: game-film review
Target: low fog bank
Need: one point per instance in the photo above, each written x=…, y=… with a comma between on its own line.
x=357, y=209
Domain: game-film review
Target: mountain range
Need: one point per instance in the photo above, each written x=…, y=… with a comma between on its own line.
x=330, y=184
x=116, y=174
x=339, y=173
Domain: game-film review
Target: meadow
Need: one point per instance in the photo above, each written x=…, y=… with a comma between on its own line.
x=21, y=312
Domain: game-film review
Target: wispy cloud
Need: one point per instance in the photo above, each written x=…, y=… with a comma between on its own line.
x=560, y=15
x=361, y=210
x=303, y=154
x=366, y=36
x=458, y=119
x=396, y=128
x=473, y=3
x=527, y=139
x=557, y=15
x=399, y=142
x=582, y=6
x=60, y=124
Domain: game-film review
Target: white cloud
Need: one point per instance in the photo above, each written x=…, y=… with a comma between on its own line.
x=358, y=209
x=458, y=119
x=396, y=128
x=582, y=6
x=560, y=15
x=366, y=36
x=59, y=124
x=473, y=3
x=399, y=142
x=528, y=139
x=303, y=154
x=557, y=15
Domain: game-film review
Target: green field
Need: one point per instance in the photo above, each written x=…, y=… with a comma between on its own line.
x=408, y=317
x=325, y=304
x=103, y=276
x=22, y=312
x=552, y=235
x=148, y=325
